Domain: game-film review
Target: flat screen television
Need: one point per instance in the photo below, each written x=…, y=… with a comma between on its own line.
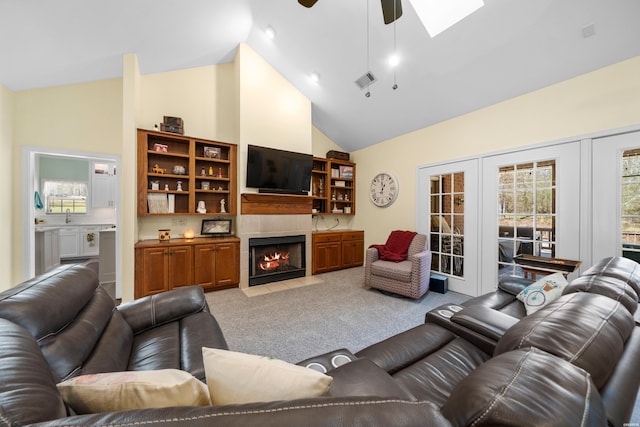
x=271, y=170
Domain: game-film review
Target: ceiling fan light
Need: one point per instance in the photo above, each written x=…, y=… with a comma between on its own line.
x=437, y=15
x=270, y=32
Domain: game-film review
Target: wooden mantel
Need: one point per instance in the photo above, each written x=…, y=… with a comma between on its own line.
x=274, y=204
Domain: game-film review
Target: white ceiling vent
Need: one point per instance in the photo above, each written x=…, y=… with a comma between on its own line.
x=366, y=80
x=589, y=30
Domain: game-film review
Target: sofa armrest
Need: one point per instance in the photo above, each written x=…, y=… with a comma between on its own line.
x=513, y=285
x=421, y=266
x=371, y=255
x=362, y=377
x=484, y=320
x=154, y=310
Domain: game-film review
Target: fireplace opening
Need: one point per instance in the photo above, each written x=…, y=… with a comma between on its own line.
x=272, y=259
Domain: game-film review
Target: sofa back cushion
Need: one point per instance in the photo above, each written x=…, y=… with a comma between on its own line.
x=28, y=391
x=69, y=314
x=608, y=286
x=526, y=388
x=588, y=330
x=621, y=268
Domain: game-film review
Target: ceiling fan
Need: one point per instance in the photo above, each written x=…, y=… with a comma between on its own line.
x=391, y=9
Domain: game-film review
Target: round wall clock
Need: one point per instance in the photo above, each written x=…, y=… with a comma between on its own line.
x=384, y=189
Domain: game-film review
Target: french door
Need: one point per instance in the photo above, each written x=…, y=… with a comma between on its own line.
x=447, y=208
x=616, y=196
x=551, y=171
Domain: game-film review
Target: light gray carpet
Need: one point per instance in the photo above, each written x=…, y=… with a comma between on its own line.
x=299, y=323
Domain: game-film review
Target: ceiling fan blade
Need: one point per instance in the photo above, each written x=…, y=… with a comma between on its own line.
x=307, y=3
x=391, y=10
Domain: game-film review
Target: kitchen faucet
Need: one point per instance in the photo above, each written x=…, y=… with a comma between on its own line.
x=68, y=218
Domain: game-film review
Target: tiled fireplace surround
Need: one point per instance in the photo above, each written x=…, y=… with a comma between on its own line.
x=251, y=226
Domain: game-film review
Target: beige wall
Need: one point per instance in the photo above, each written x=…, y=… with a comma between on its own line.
x=321, y=143
x=202, y=97
x=84, y=117
x=6, y=176
x=608, y=98
x=272, y=112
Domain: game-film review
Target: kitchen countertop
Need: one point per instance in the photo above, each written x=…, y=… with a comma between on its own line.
x=43, y=227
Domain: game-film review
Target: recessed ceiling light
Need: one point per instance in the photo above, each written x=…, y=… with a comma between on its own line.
x=314, y=77
x=438, y=15
x=270, y=32
x=394, y=60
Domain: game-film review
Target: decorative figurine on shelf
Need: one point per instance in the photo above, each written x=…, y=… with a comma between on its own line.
x=211, y=170
x=203, y=172
x=166, y=187
x=179, y=186
x=157, y=169
x=222, y=209
x=219, y=172
x=201, y=207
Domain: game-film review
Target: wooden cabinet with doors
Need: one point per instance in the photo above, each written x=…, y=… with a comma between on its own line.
x=216, y=265
x=327, y=252
x=352, y=249
x=212, y=263
x=335, y=250
x=160, y=268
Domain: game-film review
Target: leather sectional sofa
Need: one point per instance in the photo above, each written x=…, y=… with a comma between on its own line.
x=486, y=362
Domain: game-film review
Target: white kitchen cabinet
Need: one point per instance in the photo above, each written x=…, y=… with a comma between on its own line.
x=69, y=242
x=103, y=185
x=89, y=240
x=47, y=245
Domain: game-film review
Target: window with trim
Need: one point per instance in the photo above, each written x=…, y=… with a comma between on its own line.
x=447, y=223
x=65, y=196
x=526, y=212
x=631, y=204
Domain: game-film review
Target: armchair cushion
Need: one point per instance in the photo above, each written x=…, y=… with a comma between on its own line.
x=393, y=270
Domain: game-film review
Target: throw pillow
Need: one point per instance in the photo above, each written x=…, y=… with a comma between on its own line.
x=242, y=378
x=542, y=292
x=121, y=391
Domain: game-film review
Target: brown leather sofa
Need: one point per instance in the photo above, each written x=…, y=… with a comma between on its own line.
x=573, y=362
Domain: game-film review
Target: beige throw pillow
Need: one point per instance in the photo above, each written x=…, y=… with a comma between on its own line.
x=121, y=391
x=242, y=378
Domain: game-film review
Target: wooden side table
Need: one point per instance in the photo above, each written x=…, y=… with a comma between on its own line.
x=533, y=265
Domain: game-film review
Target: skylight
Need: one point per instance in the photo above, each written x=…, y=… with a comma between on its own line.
x=438, y=15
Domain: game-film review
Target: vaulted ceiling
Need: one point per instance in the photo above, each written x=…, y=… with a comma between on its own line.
x=505, y=49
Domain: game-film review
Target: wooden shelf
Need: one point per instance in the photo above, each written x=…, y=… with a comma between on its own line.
x=331, y=186
x=218, y=159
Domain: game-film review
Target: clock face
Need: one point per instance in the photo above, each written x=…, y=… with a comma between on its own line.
x=383, y=190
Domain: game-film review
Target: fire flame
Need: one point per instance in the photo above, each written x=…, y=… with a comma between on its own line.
x=273, y=261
